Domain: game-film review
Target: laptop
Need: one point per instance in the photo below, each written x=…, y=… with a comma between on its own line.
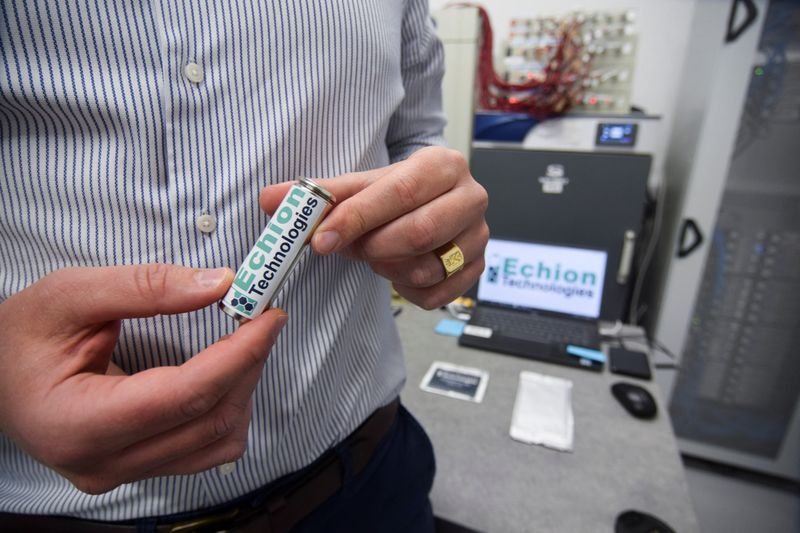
x=539, y=301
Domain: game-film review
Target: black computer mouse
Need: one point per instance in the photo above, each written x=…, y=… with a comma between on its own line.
x=635, y=399
x=639, y=522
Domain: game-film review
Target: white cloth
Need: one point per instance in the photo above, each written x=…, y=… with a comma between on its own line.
x=543, y=412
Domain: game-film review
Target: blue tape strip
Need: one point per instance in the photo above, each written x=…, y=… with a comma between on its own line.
x=450, y=327
x=586, y=353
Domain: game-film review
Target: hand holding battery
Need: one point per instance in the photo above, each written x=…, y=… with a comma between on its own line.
x=396, y=217
x=58, y=402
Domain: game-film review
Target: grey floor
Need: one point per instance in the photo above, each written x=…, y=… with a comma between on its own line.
x=733, y=504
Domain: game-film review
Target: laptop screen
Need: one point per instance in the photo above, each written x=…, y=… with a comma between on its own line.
x=543, y=277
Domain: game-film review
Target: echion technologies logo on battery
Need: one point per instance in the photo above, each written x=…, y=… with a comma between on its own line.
x=276, y=251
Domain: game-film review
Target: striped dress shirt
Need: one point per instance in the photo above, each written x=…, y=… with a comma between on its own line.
x=113, y=151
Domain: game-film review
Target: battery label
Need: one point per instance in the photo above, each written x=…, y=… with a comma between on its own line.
x=269, y=262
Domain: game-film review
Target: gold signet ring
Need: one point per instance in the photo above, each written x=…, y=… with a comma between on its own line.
x=452, y=258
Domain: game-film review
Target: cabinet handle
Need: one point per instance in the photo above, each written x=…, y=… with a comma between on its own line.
x=734, y=32
x=689, y=225
x=626, y=257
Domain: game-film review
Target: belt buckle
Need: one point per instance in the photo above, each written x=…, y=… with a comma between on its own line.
x=203, y=521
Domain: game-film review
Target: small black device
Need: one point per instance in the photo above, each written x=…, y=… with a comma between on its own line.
x=635, y=399
x=639, y=522
x=629, y=363
x=616, y=134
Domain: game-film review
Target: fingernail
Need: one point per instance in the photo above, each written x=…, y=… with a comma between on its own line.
x=281, y=321
x=326, y=242
x=210, y=278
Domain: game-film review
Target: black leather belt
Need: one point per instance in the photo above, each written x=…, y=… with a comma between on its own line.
x=277, y=511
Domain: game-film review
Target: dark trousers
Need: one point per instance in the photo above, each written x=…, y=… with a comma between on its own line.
x=390, y=495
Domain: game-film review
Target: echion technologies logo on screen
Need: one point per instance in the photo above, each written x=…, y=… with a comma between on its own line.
x=542, y=276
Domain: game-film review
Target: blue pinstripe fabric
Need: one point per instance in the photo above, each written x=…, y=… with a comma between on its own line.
x=109, y=154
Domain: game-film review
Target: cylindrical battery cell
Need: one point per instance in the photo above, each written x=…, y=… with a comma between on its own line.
x=277, y=250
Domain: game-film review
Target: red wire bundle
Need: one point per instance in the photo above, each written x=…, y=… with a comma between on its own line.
x=551, y=94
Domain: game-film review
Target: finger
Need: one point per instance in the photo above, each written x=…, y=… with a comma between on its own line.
x=426, y=228
x=446, y=291
x=426, y=270
x=223, y=451
x=231, y=416
x=81, y=296
x=270, y=197
x=158, y=399
x=345, y=186
x=102, y=476
x=406, y=187
x=228, y=420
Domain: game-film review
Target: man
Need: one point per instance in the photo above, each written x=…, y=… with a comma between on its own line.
x=136, y=138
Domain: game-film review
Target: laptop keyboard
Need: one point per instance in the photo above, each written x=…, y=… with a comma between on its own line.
x=536, y=328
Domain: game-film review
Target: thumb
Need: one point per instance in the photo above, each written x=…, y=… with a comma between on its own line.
x=270, y=197
x=342, y=187
x=82, y=296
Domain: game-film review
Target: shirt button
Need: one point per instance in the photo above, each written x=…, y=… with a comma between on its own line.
x=226, y=469
x=206, y=223
x=193, y=72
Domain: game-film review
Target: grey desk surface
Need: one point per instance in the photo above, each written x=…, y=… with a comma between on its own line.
x=489, y=482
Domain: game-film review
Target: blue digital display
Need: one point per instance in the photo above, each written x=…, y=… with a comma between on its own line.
x=615, y=134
